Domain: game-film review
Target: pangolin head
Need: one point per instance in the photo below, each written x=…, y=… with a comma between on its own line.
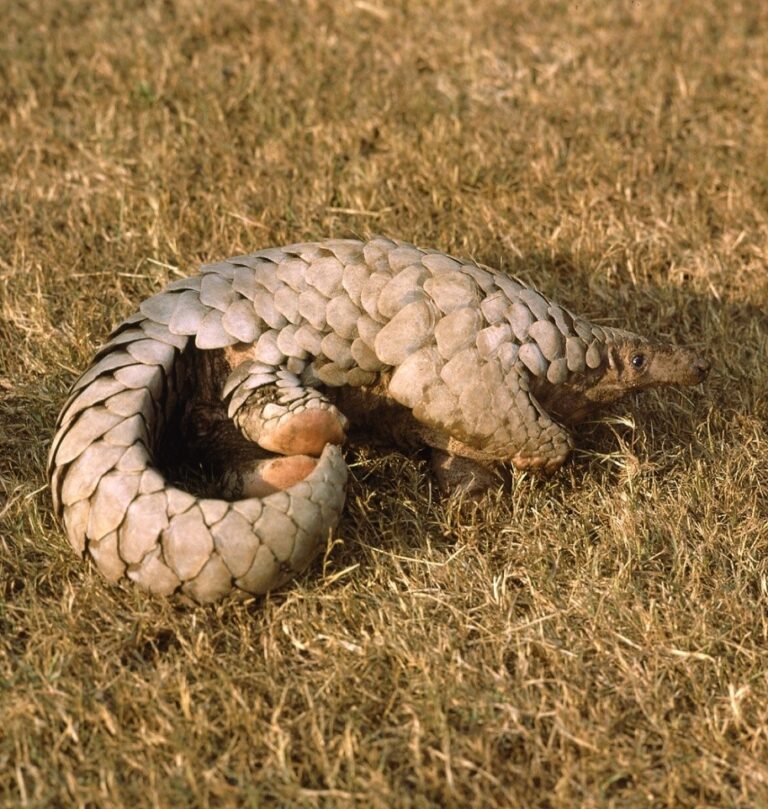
x=633, y=363
x=628, y=363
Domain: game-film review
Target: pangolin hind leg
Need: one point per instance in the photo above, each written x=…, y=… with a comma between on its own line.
x=234, y=431
x=224, y=462
x=283, y=416
x=525, y=436
x=271, y=408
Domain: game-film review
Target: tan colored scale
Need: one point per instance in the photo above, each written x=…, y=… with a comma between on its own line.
x=263, y=363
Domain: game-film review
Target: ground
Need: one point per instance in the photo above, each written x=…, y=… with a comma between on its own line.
x=598, y=639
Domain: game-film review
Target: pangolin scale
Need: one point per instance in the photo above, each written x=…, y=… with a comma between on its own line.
x=261, y=362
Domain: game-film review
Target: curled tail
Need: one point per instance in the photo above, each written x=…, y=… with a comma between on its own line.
x=118, y=508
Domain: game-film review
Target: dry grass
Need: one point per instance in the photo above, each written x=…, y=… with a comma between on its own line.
x=595, y=640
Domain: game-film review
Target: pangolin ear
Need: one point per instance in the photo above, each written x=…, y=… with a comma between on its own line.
x=614, y=359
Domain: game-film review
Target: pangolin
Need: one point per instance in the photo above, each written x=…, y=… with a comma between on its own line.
x=261, y=362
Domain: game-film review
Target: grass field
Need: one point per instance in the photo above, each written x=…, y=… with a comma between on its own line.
x=599, y=639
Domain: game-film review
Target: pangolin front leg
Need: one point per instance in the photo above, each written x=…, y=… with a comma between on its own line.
x=526, y=437
x=540, y=443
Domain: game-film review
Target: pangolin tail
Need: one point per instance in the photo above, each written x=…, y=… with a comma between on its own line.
x=119, y=509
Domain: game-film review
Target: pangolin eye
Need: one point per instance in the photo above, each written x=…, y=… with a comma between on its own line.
x=638, y=361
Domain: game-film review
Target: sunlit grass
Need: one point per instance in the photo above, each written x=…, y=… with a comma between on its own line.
x=597, y=639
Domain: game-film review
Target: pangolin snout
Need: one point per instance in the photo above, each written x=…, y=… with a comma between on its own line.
x=678, y=366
